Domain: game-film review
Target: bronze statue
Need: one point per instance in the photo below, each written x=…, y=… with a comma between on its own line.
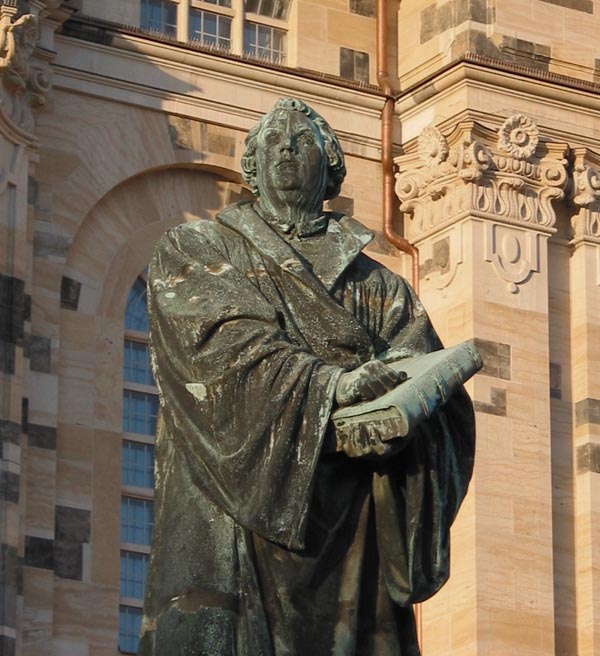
x=268, y=541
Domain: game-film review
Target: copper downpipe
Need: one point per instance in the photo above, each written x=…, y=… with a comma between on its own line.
x=387, y=161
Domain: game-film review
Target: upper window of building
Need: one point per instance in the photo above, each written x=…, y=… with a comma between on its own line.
x=160, y=16
x=272, y=8
x=264, y=42
x=210, y=28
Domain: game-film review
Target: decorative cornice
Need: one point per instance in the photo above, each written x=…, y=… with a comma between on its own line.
x=585, y=194
x=24, y=81
x=506, y=177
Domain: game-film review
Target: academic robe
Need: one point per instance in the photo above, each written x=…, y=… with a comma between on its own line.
x=267, y=542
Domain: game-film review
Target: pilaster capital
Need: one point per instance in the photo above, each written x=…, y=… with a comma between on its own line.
x=585, y=194
x=509, y=176
x=25, y=73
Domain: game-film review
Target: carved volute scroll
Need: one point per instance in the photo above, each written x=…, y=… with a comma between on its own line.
x=585, y=194
x=24, y=80
x=509, y=178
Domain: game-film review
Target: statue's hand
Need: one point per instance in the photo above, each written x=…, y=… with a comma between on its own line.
x=367, y=382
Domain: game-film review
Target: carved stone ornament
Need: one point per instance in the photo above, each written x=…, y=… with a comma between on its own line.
x=24, y=84
x=505, y=177
x=518, y=136
x=433, y=147
x=585, y=194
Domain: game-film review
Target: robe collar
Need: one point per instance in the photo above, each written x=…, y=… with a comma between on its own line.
x=344, y=240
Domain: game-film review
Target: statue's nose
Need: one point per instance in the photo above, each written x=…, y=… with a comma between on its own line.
x=288, y=143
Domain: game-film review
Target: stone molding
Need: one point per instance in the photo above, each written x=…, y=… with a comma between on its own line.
x=585, y=195
x=510, y=176
x=25, y=80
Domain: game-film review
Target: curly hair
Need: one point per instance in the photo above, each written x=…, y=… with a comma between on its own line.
x=336, y=169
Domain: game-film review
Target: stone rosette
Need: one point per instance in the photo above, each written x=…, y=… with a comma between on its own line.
x=518, y=136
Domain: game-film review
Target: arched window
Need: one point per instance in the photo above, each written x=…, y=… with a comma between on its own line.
x=140, y=408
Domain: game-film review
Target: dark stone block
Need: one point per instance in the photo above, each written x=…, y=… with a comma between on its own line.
x=555, y=381
x=587, y=412
x=221, y=144
x=32, y=191
x=587, y=6
x=39, y=552
x=347, y=63
x=7, y=357
x=180, y=132
x=12, y=309
x=363, y=7
x=11, y=573
x=588, y=458
x=9, y=431
x=8, y=646
x=525, y=53
x=69, y=293
x=381, y=245
x=428, y=23
x=497, y=405
x=38, y=350
x=85, y=32
x=24, y=414
x=43, y=437
x=46, y=244
x=27, y=308
x=9, y=486
x=72, y=529
x=478, y=11
x=445, y=18
x=496, y=358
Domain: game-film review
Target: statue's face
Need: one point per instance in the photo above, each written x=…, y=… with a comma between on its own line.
x=290, y=156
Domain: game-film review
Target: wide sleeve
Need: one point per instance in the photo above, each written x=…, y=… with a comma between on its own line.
x=418, y=492
x=245, y=408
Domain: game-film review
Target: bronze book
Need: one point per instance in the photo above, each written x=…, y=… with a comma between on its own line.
x=431, y=380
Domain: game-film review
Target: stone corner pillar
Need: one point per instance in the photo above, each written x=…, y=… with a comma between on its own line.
x=25, y=80
x=480, y=205
x=585, y=392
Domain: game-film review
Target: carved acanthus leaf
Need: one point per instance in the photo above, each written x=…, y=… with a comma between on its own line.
x=585, y=192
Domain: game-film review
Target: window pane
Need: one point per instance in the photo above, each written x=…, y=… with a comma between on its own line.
x=139, y=412
x=210, y=28
x=130, y=622
x=137, y=367
x=137, y=519
x=137, y=464
x=220, y=3
x=250, y=38
x=134, y=570
x=136, y=313
x=159, y=15
x=251, y=5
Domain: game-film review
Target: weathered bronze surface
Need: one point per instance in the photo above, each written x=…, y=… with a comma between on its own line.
x=267, y=542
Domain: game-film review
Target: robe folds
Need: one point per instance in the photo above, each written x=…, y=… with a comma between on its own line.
x=266, y=541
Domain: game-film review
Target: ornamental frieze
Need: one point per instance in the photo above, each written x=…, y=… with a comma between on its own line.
x=509, y=176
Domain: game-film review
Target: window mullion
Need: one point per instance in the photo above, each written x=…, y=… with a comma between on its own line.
x=237, y=28
x=183, y=20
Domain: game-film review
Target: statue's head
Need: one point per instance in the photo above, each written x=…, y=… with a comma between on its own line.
x=293, y=151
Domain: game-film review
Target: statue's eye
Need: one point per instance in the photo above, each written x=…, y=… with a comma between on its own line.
x=272, y=137
x=306, y=138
